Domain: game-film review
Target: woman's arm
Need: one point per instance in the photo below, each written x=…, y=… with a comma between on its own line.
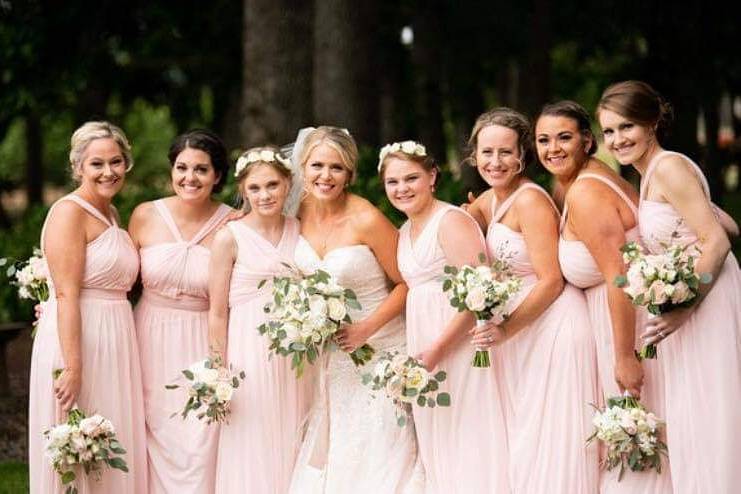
x=679, y=185
x=223, y=256
x=604, y=234
x=380, y=235
x=65, y=245
x=138, y=221
x=539, y=225
x=462, y=243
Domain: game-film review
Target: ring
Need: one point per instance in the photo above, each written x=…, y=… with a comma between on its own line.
x=661, y=333
x=488, y=339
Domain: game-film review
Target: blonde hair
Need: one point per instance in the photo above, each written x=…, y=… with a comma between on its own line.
x=90, y=131
x=338, y=139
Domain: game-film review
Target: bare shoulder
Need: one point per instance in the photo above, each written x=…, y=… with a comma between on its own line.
x=365, y=215
x=141, y=215
x=67, y=212
x=532, y=199
x=674, y=170
x=457, y=222
x=483, y=201
x=223, y=240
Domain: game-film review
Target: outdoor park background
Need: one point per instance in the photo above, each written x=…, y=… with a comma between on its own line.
x=256, y=71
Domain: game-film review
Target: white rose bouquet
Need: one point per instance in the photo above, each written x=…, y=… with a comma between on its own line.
x=660, y=282
x=30, y=276
x=211, y=385
x=630, y=434
x=82, y=442
x=405, y=381
x=305, y=313
x=483, y=290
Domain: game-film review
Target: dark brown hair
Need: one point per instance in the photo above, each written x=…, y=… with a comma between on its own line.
x=639, y=102
x=577, y=113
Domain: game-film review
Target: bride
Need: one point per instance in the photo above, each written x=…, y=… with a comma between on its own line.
x=352, y=442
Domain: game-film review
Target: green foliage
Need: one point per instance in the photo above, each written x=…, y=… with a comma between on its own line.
x=14, y=478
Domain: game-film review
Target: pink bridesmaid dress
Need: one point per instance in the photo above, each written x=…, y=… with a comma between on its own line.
x=701, y=363
x=172, y=330
x=111, y=379
x=258, y=447
x=581, y=270
x=549, y=372
x=463, y=447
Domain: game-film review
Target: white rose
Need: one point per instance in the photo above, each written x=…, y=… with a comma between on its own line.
x=58, y=435
x=476, y=299
x=484, y=273
x=420, y=150
x=39, y=268
x=77, y=442
x=24, y=276
x=652, y=265
x=408, y=147
x=337, y=310
x=224, y=391
x=381, y=369
x=23, y=292
x=668, y=290
x=267, y=155
x=394, y=388
x=682, y=293
x=636, y=281
x=318, y=305
x=656, y=292
x=90, y=426
x=417, y=378
x=292, y=333
x=253, y=157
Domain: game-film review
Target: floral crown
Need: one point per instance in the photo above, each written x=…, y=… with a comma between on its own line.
x=408, y=147
x=266, y=155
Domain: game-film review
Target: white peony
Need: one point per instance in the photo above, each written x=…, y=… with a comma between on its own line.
x=337, y=310
x=656, y=292
x=224, y=391
x=417, y=378
x=59, y=435
x=90, y=426
x=476, y=299
x=485, y=272
x=318, y=305
x=681, y=293
x=408, y=147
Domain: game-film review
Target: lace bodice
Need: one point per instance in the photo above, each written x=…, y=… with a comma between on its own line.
x=354, y=267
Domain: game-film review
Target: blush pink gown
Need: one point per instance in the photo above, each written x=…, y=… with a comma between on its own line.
x=111, y=379
x=258, y=447
x=549, y=370
x=172, y=330
x=463, y=447
x=580, y=269
x=701, y=363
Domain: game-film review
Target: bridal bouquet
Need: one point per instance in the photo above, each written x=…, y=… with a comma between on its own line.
x=81, y=441
x=211, y=385
x=30, y=276
x=660, y=282
x=631, y=435
x=483, y=290
x=406, y=381
x=305, y=313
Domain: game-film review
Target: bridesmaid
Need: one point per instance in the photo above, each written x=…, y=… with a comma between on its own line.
x=258, y=447
x=173, y=236
x=464, y=447
x=86, y=327
x=589, y=252
x=545, y=347
x=699, y=346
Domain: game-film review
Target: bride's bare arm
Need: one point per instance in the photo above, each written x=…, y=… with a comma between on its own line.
x=380, y=235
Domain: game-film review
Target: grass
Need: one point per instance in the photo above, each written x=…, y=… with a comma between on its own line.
x=13, y=478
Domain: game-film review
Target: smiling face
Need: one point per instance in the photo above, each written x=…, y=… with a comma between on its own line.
x=265, y=189
x=561, y=148
x=628, y=141
x=408, y=185
x=325, y=174
x=193, y=175
x=497, y=156
x=103, y=168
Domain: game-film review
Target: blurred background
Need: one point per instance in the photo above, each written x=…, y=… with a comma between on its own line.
x=255, y=71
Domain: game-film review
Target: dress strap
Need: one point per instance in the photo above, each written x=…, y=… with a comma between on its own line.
x=615, y=188
x=214, y=221
x=504, y=207
x=655, y=160
x=89, y=208
x=159, y=204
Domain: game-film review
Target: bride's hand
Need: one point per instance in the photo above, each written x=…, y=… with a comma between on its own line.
x=429, y=359
x=352, y=336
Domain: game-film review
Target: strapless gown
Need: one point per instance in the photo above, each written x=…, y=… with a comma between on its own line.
x=353, y=443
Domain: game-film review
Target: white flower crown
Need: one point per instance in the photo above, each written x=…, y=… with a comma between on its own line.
x=265, y=155
x=408, y=147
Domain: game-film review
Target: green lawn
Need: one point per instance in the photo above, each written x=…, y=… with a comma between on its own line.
x=13, y=478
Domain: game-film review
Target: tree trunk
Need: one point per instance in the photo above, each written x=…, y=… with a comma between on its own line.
x=345, y=85
x=34, y=160
x=277, y=67
x=535, y=76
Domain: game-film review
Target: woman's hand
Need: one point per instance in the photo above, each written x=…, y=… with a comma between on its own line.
x=352, y=336
x=488, y=335
x=429, y=359
x=38, y=310
x=67, y=387
x=629, y=375
x=659, y=327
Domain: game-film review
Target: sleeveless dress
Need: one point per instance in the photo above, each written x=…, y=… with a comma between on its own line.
x=353, y=443
x=258, y=447
x=172, y=330
x=581, y=270
x=701, y=363
x=111, y=379
x=549, y=370
x=463, y=447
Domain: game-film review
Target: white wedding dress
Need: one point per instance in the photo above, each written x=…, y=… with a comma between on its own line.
x=352, y=442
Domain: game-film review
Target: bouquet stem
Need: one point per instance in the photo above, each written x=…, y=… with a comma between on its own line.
x=481, y=357
x=648, y=351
